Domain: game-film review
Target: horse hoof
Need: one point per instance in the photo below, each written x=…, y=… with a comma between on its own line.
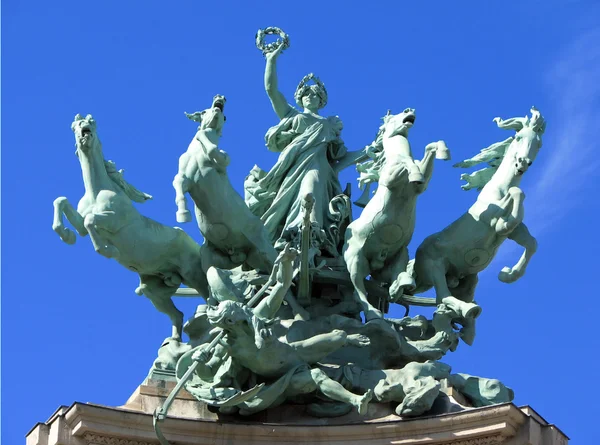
x=68, y=236
x=508, y=275
x=184, y=216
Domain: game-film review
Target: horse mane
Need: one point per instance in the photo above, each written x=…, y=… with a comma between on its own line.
x=117, y=177
x=494, y=154
x=370, y=170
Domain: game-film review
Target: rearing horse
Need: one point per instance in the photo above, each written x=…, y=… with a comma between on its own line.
x=164, y=257
x=376, y=242
x=232, y=234
x=451, y=259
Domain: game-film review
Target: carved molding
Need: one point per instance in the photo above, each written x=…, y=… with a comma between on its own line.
x=487, y=440
x=96, y=439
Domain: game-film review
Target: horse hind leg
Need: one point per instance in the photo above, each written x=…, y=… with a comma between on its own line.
x=63, y=206
x=181, y=186
x=159, y=294
x=358, y=267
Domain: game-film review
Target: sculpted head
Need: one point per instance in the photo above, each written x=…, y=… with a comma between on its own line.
x=237, y=318
x=311, y=97
x=398, y=124
x=84, y=129
x=527, y=142
x=213, y=117
x=229, y=314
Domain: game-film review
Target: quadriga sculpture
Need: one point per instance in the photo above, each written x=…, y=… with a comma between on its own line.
x=232, y=234
x=164, y=257
x=376, y=242
x=451, y=259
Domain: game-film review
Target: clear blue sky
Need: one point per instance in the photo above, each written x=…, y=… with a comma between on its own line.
x=72, y=327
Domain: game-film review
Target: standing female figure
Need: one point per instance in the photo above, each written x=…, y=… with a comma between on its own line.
x=309, y=147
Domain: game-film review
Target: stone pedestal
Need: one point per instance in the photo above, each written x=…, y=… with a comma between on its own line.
x=190, y=422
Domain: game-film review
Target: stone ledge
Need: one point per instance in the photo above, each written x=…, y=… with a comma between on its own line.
x=88, y=424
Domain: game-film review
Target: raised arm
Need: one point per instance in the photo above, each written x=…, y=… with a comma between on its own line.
x=283, y=273
x=279, y=103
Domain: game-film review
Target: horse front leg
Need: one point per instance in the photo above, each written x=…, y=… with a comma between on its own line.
x=104, y=220
x=181, y=186
x=400, y=148
x=511, y=220
x=63, y=206
x=522, y=237
x=434, y=150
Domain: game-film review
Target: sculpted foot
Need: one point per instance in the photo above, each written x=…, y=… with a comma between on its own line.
x=362, y=403
x=184, y=216
x=358, y=340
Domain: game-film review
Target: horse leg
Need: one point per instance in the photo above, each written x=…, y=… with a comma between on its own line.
x=508, y=222
x=395, y=273
x=434, y=150
x=522, y=237
x=433, y=272
x=104, y=220
x=465, y=291
x=155, y=289
x=358, y=266
x=63, y=206
x=401, y=148
x=181, y=186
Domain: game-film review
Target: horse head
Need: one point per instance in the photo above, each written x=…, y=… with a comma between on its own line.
x=398, y=124
x=84, y=128
x=393, y=125
x=212, y=117
x=514, y=155
x=526, y=143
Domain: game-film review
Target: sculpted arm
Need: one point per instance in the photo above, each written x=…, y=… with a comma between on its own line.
x=283, y=272
x=280, y=105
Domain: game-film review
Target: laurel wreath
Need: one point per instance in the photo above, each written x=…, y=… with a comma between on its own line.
x=303, y=86
x=270, y=47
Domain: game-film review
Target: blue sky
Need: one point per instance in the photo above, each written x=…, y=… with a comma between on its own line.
x=72, y=328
